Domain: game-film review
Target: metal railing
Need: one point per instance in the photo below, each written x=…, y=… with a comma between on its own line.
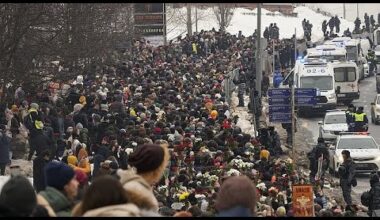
x=228, y=84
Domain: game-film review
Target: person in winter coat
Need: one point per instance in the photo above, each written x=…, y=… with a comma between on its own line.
x=106, y=197
x=357, y=26
x=374, y=199
x=5, y=142
x=265, y=84
x=17, y=198
x=324, y=27
x=33, y=122
x=229, y=203
x=331, y=24
x=39, y=164
x=117, y=106
x=266, y=33
x=61, y=189
x=79, y=115
x=337, y=24
x=317, y=151
x=347, y=176
x=150, y=161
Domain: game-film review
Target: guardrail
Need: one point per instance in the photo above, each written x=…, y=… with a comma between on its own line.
x=228, y=84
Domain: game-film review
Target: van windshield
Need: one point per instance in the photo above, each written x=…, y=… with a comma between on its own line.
x=345, y=74
x=320, y=82
x=352, y=52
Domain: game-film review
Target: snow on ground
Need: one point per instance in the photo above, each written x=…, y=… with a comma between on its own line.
x=245, y=20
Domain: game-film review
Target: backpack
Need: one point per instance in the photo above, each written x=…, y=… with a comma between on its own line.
x=365, y=198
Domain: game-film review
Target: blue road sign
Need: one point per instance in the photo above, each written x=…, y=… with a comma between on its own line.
x=279, y=92
x=305, y=92
x=280, y=109
x=281, y=118
x=279, y=101
x=305, y=101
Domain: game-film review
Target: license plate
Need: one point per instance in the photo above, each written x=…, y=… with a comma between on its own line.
x=361, y=165
x=341, y=95
x=317, y=106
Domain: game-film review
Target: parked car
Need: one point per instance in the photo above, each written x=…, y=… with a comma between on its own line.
x=375, y=110
x=363, y=149
x=333, y=123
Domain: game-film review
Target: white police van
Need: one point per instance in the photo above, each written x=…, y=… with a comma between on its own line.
x=313, y=73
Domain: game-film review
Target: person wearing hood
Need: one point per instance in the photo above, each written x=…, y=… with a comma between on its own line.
x=229, y=203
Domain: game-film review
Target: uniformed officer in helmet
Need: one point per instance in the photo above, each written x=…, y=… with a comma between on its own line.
x=361, y=120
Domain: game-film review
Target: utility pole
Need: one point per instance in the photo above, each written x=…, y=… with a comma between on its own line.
x=196, y=18
x=357, y=10
x=295, y=44
x=189, y=23
x=293, y=105
x=274, y=60
x=258, y=51
x=344, y=10
x=165, y=29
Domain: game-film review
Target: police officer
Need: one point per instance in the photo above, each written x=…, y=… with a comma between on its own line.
x=350, y=112
x=361, y=120
x=347, y=176
x=374, y=196
x=371, y=57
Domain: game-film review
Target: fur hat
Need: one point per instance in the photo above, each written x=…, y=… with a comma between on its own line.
x=58, y=174
x=18, y=196
x=147, y=157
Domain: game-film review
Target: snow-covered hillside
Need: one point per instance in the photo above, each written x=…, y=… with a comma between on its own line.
x=246, y=21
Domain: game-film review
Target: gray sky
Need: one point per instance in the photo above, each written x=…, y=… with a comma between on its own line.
x=337, y=8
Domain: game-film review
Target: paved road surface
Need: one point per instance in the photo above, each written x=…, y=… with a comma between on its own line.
x=367, y=95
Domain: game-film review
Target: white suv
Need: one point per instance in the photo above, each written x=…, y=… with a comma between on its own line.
x=363, y=150
x=333, y=123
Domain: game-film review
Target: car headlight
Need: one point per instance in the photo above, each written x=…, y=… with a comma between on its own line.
x=332, y=96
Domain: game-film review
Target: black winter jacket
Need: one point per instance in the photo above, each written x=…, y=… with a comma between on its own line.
x=375, y=197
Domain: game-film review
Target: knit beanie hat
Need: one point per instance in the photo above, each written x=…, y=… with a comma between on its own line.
x=34, y=105
x=19, y=196
x=147, y=157
x=264, y=154
x=58, y=174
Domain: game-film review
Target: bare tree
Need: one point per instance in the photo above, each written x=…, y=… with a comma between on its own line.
x=223, y=14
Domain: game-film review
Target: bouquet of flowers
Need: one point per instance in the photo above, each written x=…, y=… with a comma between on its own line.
x=233, y=172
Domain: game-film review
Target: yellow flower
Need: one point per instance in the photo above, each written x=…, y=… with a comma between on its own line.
x=183, y=196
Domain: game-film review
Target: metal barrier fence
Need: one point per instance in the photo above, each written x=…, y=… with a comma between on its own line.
x=229, y=85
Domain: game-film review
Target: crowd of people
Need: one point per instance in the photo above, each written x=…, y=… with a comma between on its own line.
x=152, y=135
